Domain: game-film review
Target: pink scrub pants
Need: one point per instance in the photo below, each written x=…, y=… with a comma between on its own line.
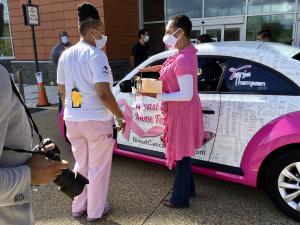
x=92, y=147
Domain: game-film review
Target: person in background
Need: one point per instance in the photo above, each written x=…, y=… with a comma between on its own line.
x=205, y=38
x=140, y=51
x=181, y=106
x=62, y=45
x=57, y=50
x=85, y=81
x=264, y=35
x=18, y=171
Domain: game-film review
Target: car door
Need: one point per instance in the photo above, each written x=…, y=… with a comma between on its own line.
x=209, y=73
x=144, y=121
x=252, y=95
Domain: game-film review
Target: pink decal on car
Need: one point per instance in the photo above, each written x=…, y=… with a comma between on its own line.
x=132, y=125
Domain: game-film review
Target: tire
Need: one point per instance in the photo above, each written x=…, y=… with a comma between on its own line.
x=281, y=184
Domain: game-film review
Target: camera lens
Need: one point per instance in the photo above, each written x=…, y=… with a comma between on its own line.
x=71, y=183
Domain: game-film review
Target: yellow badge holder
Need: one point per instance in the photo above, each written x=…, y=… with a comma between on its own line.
x=76, y=98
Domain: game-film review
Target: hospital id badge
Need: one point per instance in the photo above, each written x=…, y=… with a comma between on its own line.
x=76, y=98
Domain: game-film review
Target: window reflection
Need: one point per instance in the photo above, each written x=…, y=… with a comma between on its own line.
x=214, y=8
x=191, y=8
x=6, y=41
x=4, y=2
x=153, y=10
x=270, y=6
x=5, y=47
x=281, y=27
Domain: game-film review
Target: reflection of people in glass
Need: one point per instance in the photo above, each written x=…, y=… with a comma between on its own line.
x=181, y=107
x=264, y=35
x=205, y=38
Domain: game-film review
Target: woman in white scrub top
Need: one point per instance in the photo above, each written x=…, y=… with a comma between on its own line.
x=85, y=80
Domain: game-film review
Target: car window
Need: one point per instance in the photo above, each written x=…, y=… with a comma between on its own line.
x=126, y=85
x=209, y=73
x=248, y=77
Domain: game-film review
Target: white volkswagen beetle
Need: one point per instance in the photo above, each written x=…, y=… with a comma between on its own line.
x=250, y=98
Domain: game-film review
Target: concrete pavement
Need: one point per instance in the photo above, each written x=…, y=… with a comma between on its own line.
x=31, y=94
x=137, y=189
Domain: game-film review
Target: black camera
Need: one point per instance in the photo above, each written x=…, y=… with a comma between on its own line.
x=69, y=182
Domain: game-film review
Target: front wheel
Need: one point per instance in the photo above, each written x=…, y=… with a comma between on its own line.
x=283, y=183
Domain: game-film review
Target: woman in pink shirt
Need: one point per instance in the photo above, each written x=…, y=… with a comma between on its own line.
x=181, y=107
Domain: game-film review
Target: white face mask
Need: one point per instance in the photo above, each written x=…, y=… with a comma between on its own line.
x=170, y=40
x=64, y=40
x=100, y=43
x=146, y=38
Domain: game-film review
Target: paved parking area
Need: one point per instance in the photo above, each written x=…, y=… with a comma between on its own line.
x=31, y=94
x=137, y=189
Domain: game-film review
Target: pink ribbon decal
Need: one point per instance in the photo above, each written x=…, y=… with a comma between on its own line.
x=132, y=125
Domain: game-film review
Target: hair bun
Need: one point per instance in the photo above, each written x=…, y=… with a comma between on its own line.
x=87, y=11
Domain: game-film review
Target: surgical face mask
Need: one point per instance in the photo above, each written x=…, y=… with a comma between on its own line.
x=100, y=43
x=170, y=40
x=146, y=38
x=64, y=40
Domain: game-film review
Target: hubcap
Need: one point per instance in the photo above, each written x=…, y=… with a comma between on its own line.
x=289, y=185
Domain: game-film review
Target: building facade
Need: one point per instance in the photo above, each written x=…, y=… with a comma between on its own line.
x=121, y=24
x=224, y=20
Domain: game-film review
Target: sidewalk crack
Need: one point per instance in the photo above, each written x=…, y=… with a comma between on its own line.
x=156, y=207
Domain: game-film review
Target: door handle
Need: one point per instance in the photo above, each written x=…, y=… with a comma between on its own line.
x=207, y=111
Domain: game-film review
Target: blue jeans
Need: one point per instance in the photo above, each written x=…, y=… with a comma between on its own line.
x=184, y=186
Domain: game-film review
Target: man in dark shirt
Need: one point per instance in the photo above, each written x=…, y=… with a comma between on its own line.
x=57, y=50
x=63, y=44
x=140, y=51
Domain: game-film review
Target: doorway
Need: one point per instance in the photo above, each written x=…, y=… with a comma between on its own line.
x=219, y=32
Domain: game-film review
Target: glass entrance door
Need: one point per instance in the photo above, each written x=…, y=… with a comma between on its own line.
x=233, y=33
x=219, y=32
x=215, y=32
x=196, y=32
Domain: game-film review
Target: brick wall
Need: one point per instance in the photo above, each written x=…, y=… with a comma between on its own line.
x=55, y=16
x=121, y=20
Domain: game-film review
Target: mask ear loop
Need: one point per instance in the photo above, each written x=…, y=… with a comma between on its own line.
x=99, y=34
x=176, y=32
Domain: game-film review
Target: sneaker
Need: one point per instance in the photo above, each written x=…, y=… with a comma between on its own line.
x=78, y=214
x=107, y=209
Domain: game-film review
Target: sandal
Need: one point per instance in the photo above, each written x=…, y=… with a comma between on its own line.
x=168, y=204
x=107, y=209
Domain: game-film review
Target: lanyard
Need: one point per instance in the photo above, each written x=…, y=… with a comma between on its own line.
x=15, y=90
